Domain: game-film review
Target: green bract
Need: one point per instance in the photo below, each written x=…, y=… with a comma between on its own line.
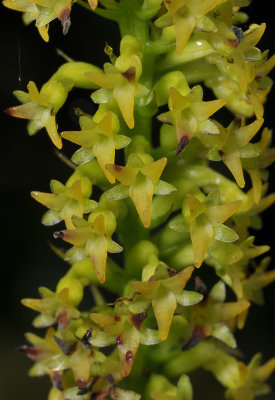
x=166, y=209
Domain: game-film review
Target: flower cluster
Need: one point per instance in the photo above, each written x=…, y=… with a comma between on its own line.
x=167, y=208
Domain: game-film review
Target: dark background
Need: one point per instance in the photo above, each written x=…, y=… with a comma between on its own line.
x=29, y=164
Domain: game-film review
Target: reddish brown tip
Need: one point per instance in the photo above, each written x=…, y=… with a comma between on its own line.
x=184, y=140
x=130, y=74
x=137, y=319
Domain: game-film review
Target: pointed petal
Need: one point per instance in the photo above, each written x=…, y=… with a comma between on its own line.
x=184, y=27
x=26, y=111
x=52, y=201
x=256, y=184
x=177, y=282
x=201, y=232
x=84, y=138
x=75, y=192
x=219, y=214
x=179, y=102
x=233, y=163
x=106, y=81
x=77, y=237
x=70, y=209
x=243, y=135
x=104, y=151
x=35, y=95
x=97, y=250
x=226, y=311
x=203, y=110
x=107, y=322
x=98, y=225
x=105, y=126
x=196, y=207
x=153, y=171
x=125, y=175
x=124, y=95
x=51, y=128
x=127, y=347
x=141, y=193
x=164, y=305
x=147, y=289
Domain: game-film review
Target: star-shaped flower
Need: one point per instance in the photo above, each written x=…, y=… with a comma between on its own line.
x=98, y=140
x=65, y=202
x=125, y=330
x=230, y=144
x=235, y=51
x=204, y=220
x=38, y=110
x=185, y=15
x=53, y=307
x=43, y=12
x=255, y=158
x=166, y=292
x=90, y=239
x=120, y=81
x=139, y=180
x=190, y=115
x=252, y=379
x=212, y=316
x=30, y=13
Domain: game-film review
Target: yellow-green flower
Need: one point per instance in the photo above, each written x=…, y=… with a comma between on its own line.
x=252, y=379
x=54, y=307
x=122, y=330
x=230, y=144
x=204, y=220
x=66, y=202
x=139, y=180
x=185, y=15
x=98, y=140
x=43, y=12
x=38, y=110
x=120, y=81
x=255, y=159
x=91, y=239
x=212, y=316
x=165, y=292
x=189, y=114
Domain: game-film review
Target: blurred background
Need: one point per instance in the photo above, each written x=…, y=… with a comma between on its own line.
x=29, y=164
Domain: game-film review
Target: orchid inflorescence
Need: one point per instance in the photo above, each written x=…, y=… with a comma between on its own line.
x=170, y=211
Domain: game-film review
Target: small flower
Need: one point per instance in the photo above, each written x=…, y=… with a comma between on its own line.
x=252, y=379
x=230, y=144
x=255, y=158
x=204, y=220
x=122, y=330
x=65, y=202
x=190, y=114
x=185, y=15
x=139, y=180
x=98, y=140
x=120, y=81
x=212, y=316
x=54, y=307
x=43, y=12
x=37, y=109
x=165, y=292
x=90, y=239
x=235, y=55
